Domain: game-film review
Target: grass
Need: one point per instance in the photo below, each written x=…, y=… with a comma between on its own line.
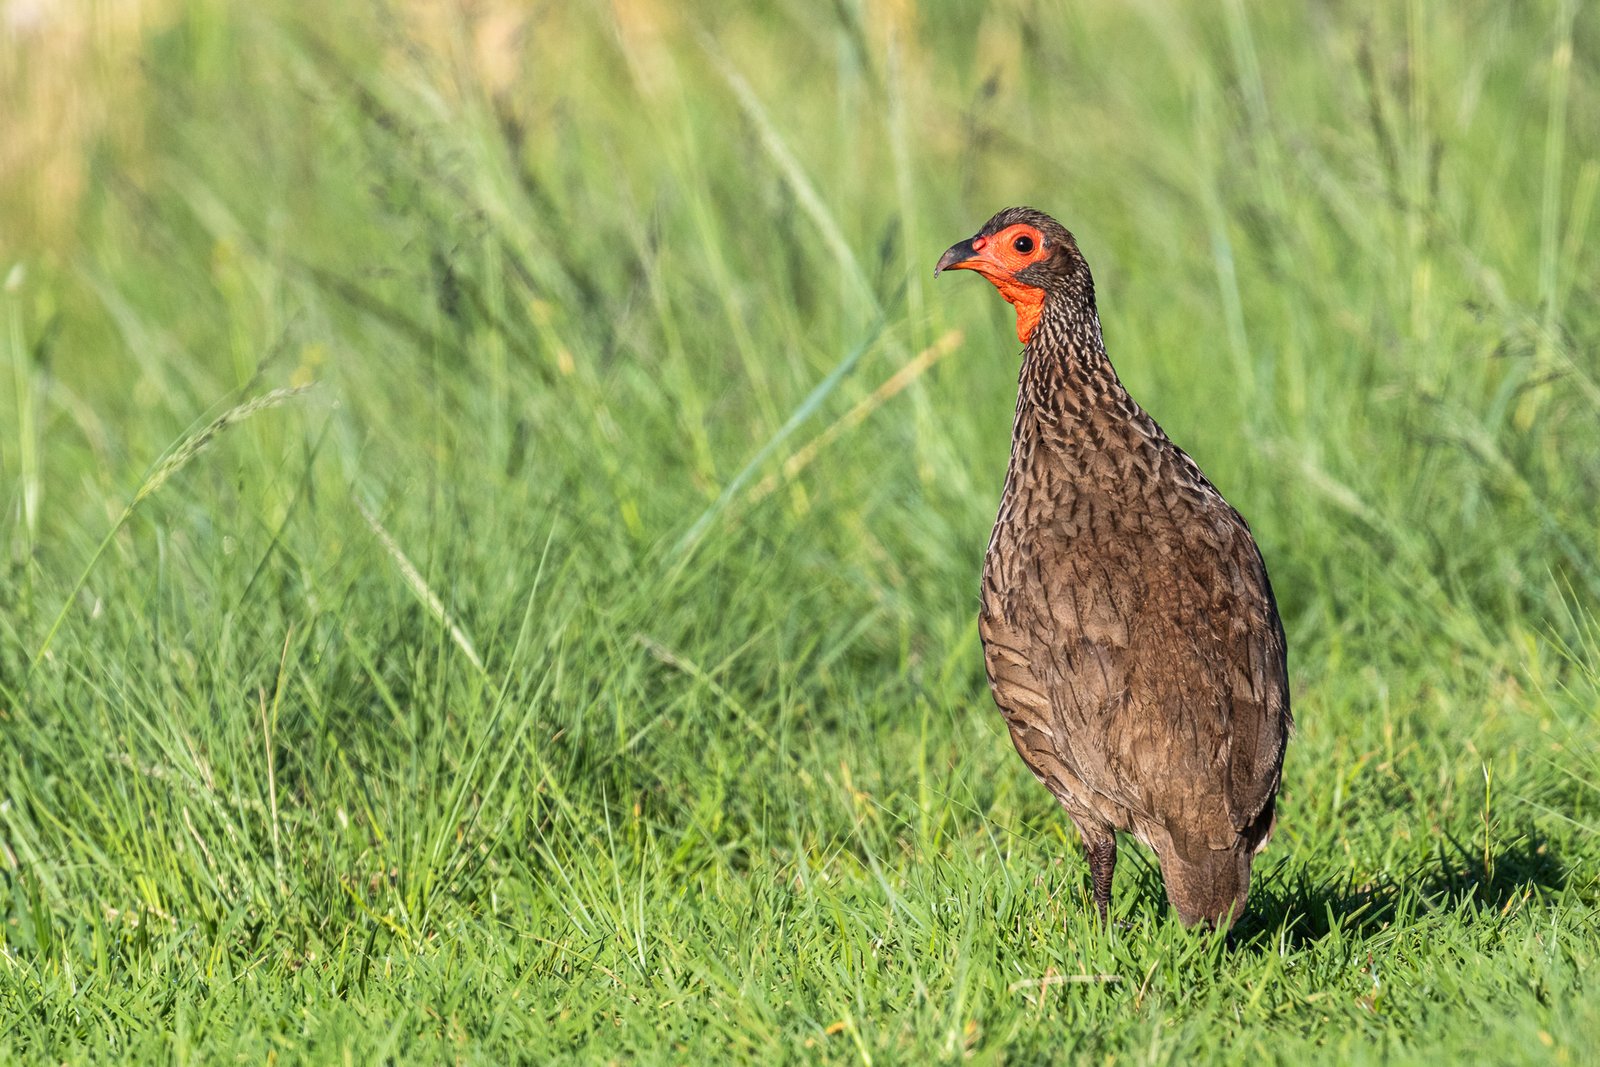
x=582, y=666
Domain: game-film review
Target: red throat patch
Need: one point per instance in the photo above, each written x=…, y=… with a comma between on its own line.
x=1027, y=299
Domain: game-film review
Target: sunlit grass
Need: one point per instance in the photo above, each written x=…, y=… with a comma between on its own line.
x=585, y=667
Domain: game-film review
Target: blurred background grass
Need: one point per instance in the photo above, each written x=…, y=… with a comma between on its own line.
x=583, y=664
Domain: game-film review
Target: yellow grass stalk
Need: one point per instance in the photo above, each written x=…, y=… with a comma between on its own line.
x=419, y=586
x=894, y=384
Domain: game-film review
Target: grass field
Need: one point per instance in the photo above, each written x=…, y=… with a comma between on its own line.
x=493, y=504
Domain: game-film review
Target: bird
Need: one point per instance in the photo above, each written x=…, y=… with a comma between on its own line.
x=1130, y=634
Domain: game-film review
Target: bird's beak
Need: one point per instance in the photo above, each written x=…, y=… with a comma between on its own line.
x=957, y=257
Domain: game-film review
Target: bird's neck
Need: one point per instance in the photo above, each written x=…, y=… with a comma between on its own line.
x=1065, y=370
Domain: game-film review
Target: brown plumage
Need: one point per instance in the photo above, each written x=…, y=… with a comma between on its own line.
x=1129, y=630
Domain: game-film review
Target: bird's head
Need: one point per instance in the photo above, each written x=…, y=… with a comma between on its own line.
x=1030, y=258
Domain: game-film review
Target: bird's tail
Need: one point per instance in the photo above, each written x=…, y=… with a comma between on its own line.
x=1208, y=886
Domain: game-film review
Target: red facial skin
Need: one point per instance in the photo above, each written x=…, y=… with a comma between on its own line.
x=998, y=260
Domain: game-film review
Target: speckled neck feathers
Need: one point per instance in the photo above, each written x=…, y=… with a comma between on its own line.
x=1064, y=364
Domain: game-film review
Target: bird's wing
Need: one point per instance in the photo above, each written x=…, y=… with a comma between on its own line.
x=1162, y=662
x=1257, y=688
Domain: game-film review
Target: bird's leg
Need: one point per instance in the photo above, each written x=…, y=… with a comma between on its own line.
x=1102, y=862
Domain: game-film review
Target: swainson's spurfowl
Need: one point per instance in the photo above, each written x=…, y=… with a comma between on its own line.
x=1129, y=630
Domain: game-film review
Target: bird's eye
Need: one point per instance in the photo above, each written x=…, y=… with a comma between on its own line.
x=1023, y=244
